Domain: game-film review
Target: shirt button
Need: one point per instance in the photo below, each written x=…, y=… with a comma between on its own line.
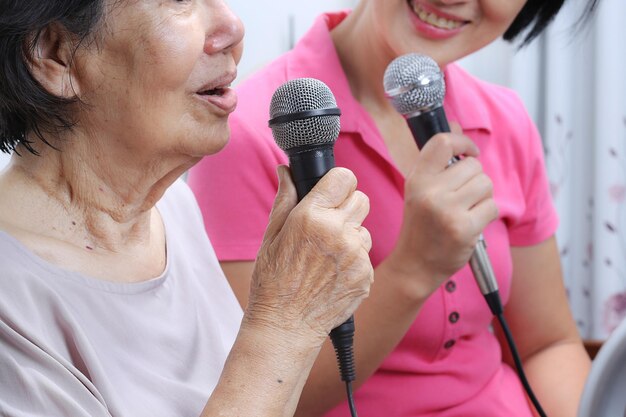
x=449, y=344
x=451, y=286
x=454, y=317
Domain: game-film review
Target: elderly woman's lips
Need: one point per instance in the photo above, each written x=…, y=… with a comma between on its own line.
x=224, y=99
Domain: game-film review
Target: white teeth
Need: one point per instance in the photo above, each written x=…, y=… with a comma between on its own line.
x=433, y=19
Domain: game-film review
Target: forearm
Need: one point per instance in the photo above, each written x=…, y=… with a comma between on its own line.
x=381, y=323
x=263, y=375
x=557, y=376
x=545, y=332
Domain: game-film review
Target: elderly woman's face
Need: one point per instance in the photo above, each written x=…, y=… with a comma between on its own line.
x=159, y=76
x=446, y=30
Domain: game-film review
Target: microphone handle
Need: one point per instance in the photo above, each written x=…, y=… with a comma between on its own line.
x=424, y=125
x=308, y=164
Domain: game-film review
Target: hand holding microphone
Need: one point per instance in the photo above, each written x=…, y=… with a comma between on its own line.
x=415, y=86
x=317, y=249
x=454, y=193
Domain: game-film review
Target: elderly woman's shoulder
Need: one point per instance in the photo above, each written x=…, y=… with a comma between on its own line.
x=24, y=281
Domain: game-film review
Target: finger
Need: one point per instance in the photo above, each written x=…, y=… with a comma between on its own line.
x=332, y=189
x=459, y=173
x=356, y=207
x=438, y=151
x=484, y=213
x=286, y=199
x=366, y=238
x=477, y=189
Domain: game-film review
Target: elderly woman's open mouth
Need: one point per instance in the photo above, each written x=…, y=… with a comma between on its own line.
x=219, y=94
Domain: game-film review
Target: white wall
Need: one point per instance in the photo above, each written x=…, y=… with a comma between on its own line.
x=272, y=26
x=4, y=159
x=483, y=65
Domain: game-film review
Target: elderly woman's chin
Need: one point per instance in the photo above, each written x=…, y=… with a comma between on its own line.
x=208, y=141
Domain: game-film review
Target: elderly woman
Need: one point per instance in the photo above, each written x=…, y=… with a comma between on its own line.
x=111, y=299
x=425, y=345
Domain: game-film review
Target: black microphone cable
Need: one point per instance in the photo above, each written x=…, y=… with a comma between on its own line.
x=415, y=86
x=518, y=365
x=343, y=342
x=304, y=119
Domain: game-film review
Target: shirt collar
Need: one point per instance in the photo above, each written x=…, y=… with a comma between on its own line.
x=463, y=102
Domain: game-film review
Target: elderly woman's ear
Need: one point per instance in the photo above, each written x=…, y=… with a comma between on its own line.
x=51, y=61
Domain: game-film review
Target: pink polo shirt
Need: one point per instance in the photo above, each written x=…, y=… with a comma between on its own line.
x=449, y=363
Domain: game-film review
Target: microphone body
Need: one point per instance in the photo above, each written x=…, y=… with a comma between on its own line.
x=308, y=164
x=426, y=125
x=305, y=124
x=415, y=86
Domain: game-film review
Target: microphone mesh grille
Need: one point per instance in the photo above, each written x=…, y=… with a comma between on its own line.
x=414, y=82
x=299, y=95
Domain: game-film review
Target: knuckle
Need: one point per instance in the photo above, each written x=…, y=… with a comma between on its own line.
x=303, y=216
x=473, y=163
x=487, y=183
x=362, y=199
x=457, y=228
x=353, y=246
x=495, y=211
x=444, y=140
x=367, y=239
x=427, y=200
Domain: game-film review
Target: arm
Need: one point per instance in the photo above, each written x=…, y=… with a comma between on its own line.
x=438, y=205
x=263, y=375
x=538, y=314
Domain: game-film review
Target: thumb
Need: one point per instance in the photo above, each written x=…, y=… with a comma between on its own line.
x=286, y=199
x=333, y=188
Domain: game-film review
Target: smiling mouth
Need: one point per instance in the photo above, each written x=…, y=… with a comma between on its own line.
x=434, y=19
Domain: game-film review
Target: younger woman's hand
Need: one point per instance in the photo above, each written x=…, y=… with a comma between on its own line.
x=446, y=209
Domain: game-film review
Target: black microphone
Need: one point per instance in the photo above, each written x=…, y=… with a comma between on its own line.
x=305, y=124
x=415, y=86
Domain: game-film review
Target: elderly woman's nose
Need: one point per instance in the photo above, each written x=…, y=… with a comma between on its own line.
x=225, y=29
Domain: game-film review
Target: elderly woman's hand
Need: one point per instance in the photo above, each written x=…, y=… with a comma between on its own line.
x=313, y=268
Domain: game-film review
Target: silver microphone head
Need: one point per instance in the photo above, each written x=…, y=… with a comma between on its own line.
x=304, y=112
x=414, y=84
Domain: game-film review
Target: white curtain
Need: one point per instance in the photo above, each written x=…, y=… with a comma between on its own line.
x=574, y=84
x=584, y=122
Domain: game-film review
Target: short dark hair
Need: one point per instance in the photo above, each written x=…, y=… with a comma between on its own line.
x=25, y=105
x=535, y=17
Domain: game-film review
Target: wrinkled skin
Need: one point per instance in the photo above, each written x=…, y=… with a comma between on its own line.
x=313, y=268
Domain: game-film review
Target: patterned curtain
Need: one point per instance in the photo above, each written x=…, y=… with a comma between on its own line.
x=576, y=83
